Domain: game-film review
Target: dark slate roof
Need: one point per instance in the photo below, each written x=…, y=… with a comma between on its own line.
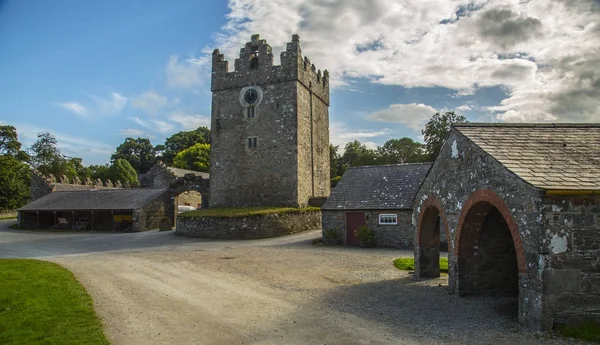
x=63, y=187
x=182, y=172
x=564, y=156
x=100, y=199
x=383, y=187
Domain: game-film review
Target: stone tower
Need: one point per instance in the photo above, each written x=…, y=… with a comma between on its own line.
x=270, y=128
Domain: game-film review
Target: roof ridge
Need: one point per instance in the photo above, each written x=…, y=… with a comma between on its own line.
x=529, y=124
x=388, y=165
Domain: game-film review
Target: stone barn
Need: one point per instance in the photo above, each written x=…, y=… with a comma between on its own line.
x=380, y=197
x=103, y=209
x=519, y=205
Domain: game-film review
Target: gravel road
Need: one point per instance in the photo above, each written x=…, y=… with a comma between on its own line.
x=283, y=294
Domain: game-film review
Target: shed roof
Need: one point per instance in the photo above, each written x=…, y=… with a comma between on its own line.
x=182, y=172
x=561, y=156
x=100, y=199
x=383, y=187
x=63, y=187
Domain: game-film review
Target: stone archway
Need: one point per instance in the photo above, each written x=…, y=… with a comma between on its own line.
x=189, y=182
x=488, y=248
x=427, y=256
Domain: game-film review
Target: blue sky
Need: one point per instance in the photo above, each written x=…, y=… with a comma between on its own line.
x=95, y=72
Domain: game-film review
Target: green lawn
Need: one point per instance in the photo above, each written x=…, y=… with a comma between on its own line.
x=42, y=303
x=408, y=264
x=231, y=212
x=587, y=330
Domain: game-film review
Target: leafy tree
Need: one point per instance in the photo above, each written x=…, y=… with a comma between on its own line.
x=196, y=158
x=181, y=141
x=437, y=129
x=45, y=154
x=403, y=150
x=122, y=171
x=336, y=168
x=10, y=145
x=14, y=183
x=138, y=152
x=357, y=154
x=96, y=172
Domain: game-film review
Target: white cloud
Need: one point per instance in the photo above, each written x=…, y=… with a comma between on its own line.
x=75, y=108
x=413, y=115
x=340, y=134
x=189, y=121
x=543, y=52
x=159, y=126
x=132, y=132
x=464, y=107
x=68, y=144
x=149, y=101
x=101, y=106
x=184, y=74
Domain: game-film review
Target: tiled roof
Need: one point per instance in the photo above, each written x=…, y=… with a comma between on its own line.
x=548, y=156
x=382, y=187
x=100, y=199
x=182, y=172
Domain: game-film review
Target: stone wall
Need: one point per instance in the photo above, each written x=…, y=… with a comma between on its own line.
x=41, y=185
x=260, y=226
x=291, y=122
x=392, y=236
x=8, y=214
x=554, y=261
x=150, y=216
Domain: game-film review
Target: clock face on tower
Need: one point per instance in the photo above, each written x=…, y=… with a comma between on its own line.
x=251, y=96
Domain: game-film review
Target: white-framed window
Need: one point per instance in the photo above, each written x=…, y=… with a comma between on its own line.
x=388, y=219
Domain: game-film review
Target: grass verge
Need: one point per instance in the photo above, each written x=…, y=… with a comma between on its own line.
x=587, y=330
x=42, y=303
x=408, y=264
x=232, y=212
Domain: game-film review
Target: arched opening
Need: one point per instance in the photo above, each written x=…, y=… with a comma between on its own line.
x=487, y=258
x=188, y=200
x=431, y=243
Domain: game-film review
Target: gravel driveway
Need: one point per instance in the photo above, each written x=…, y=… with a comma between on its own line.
x=158, y=288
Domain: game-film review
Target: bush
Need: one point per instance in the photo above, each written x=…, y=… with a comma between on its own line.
x=330, y=234
x=366, y=236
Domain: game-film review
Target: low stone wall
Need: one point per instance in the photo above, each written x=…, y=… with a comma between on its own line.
x=250, y=227
x=8, y=214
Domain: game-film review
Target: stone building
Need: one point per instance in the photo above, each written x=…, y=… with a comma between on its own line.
x=42, y=185
x=519, y=205
x=270, y=128
x=380, y=197
x=187, y=187
x=131, y=209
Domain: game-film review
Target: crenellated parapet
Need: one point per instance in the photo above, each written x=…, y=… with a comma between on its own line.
x=254, y=66
x=41, y=185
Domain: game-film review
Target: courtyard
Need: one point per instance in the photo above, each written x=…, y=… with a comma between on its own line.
x=158, y=288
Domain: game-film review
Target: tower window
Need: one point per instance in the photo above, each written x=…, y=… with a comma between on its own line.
x=253, y=142
x=254, y=57
x=250, y=111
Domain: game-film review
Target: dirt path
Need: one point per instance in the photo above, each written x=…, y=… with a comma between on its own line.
x=281, y=295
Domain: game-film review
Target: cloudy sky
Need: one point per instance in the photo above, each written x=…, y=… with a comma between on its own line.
x=93, y=73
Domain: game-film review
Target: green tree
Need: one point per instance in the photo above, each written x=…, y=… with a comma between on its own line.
x=437, y=129
x=357, y=154
x=14, y=183
x=138, y=152
x=96, y=172
x=403, y=150
x=45, y=154
x=183, y=140
x=122, y=171
x=335, y=164
x=196, y=158
x=10, y=145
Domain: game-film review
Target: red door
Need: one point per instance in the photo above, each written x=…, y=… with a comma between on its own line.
x=354, y=220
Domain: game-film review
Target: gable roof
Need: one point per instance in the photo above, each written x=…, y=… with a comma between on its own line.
x=182, y=172
x=100, y=199
x=561, y=156
x=63, y=187
x=383, y=187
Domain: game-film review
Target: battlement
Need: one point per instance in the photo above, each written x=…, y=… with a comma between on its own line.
x=255, y=66
x=42, y=185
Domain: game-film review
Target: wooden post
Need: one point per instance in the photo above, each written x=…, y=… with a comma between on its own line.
x=92, y=220
x=54, y=217
x=37, y=214
x=72, y=219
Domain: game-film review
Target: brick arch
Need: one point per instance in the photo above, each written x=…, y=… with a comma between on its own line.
x=481, y=202
x=429, y=202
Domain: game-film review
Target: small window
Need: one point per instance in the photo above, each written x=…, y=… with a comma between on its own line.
x=388, y=219
x=252, y=142
x=250, y=111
